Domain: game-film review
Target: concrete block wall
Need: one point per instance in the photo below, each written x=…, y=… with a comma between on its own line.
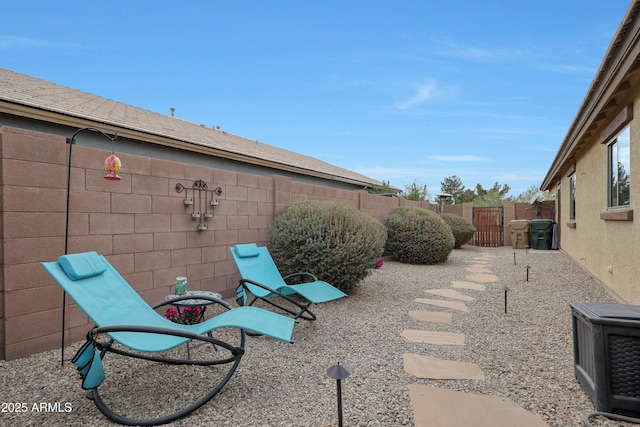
x=139, y=223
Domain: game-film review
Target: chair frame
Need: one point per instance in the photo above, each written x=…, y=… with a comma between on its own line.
x=103, y=339
x=256, y=266
x=303, y=309
x=105, y=346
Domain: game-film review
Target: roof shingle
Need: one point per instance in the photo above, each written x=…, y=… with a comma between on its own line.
x=31, y=92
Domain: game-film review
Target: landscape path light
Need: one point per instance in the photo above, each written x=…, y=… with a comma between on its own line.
x=339, y=372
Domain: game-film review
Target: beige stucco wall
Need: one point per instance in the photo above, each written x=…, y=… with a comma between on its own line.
x=607, y=249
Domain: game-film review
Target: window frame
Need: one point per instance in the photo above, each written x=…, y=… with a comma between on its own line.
x=614, y=146
x=572, y=197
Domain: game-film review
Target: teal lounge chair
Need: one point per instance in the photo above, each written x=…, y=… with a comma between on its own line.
x=121, y=316
x=262, y=279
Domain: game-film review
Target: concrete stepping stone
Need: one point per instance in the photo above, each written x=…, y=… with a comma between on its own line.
x=436, y=407
x=473, y=269
x=432, y=316
x=433, y=337
x=439, y=369
x=455, y=305
x=450, y=293
x=467, y=285
x=482, y=278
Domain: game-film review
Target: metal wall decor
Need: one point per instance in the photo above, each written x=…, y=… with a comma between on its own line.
x=201, y=200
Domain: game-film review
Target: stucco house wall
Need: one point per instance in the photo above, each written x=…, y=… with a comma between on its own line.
x=605, y=247
x=604, y=240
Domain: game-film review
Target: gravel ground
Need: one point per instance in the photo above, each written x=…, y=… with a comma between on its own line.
x=526, y=355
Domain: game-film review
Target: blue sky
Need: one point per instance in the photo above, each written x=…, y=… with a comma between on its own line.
x=400, y=91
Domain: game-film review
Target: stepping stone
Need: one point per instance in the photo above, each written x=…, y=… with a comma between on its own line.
x=439, y=369
x=456, y=305
x=467, y=285
x=432, y=316
x=450, y=293
x=436, y=407
x=433, y=337
x=472, y=269
x=482, y=278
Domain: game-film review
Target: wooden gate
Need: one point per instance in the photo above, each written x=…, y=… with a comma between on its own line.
x=489, y=225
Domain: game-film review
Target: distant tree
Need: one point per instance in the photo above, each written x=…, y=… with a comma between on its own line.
x=415, y=192
x=530, y=193
x=480, y=196
x=453, y=185
x=385, y=188
x=490, y=198
x=467, y=196
x=502, y=190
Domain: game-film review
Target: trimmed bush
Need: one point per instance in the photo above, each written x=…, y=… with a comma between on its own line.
x=332, y=240
x=462, y=229
x=417, y=236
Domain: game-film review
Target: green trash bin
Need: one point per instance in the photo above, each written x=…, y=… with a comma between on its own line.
x=541, y=233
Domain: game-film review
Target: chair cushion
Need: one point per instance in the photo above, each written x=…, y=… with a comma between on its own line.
x=247, y=250
x=82, y=265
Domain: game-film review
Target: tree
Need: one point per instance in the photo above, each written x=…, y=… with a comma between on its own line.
x=415, y=192
x=453, y=185
x=502, y=190
x=385, y=188
x=490, y=198
x=528, y=194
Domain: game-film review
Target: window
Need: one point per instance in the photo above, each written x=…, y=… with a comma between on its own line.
x=572, y=197
x=619, y=169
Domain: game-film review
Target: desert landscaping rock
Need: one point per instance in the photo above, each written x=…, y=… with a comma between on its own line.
x=526, y=356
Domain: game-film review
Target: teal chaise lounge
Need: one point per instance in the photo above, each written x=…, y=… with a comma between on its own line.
x=122, y=317
x=262, y=279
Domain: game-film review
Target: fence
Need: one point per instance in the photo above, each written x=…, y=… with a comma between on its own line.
x=141, y=224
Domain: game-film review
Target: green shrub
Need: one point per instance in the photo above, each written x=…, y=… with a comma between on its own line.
x=332, y=240
x=417, y=236
x=462, y=229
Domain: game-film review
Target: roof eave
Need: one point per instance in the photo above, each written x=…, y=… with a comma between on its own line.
x=23, y=110
x=618, y=63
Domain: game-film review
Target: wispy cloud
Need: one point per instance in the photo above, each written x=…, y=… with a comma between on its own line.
x=459, y=158
x=14, y=42
x=568, y=69
x=449, y=47
x=423, y=92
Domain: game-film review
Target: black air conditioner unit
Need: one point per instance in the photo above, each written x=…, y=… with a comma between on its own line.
x=606, y=352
